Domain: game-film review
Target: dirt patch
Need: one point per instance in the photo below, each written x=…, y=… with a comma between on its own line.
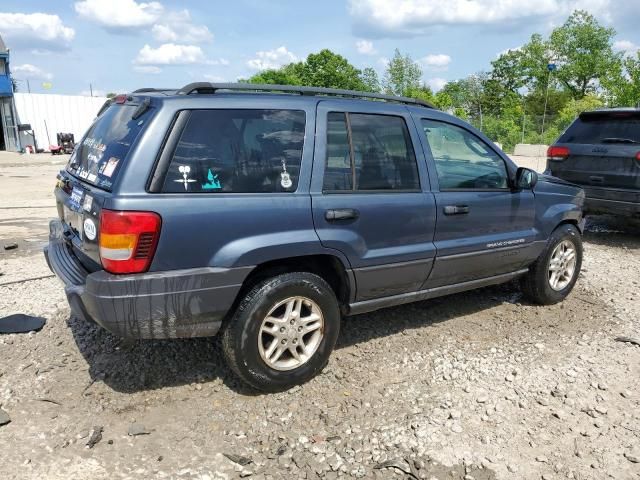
x=476, y=385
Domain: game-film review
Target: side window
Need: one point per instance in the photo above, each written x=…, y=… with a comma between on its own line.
x=463, y=161
x=369, y=152
x=238, y=151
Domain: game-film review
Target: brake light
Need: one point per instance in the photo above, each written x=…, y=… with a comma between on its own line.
x=128, y=240
x=122, y=98
x=558, y=153
x=638, y=157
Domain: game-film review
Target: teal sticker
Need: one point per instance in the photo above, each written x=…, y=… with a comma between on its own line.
x=213, y=182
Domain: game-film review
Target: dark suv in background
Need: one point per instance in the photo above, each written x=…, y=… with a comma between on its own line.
x=266, y=212
x=600, y=151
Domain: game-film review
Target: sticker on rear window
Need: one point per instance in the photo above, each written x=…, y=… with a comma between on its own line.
x=110, y=167
x=213, y=183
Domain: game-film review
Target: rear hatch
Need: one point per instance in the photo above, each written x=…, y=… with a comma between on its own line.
x=93, y=169
x=599, y=150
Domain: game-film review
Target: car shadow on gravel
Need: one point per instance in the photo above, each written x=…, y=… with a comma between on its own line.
x=613, y=231
x=424, y=314
x=152, y=364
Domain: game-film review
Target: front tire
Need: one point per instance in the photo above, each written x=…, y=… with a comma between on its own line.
x=283, y=331
x=553, y=275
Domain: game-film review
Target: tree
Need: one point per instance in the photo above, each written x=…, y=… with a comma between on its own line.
x=286, y=75
x=583, y=49
x=623, y=83
x=322, y=69
x=370, y=80
x=330, y=70
x=573, y=108
x=402, y=75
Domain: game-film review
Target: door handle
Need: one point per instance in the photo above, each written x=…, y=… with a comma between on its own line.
x=456, y=210
x=337, y=214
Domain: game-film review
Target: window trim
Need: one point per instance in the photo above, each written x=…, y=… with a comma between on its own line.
x=353, y=190
x=172, y=138
x=508, y=188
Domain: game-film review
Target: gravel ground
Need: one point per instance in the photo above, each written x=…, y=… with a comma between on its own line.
x=473, y=386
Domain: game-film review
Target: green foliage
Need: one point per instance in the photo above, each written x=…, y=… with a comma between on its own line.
x=402, y=75
x=423, y=92
x=584, y=52
x=574, y=107
x=369, y=79
x=518, y=100
x=322, y=69
x=286, y=75
x=623, y=83
x=330, y=70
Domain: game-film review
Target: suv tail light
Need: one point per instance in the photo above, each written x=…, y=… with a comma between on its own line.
x=557, y=153
x=638, y=157
x=128, y=240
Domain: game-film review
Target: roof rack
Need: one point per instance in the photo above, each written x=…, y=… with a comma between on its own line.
x=209, y=88
x=149, y=90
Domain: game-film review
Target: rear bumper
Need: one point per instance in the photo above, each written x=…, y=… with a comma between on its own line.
x=172, y=304
x=612, y=201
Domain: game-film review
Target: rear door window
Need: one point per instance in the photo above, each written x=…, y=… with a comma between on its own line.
x=368, y=152
x=238, y=151
x=102, y=153
x=590, y=129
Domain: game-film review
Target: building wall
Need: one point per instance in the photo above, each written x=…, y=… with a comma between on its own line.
x=62, y=114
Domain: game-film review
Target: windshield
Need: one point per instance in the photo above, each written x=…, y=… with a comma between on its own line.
x=603, y=129
x=102, y=152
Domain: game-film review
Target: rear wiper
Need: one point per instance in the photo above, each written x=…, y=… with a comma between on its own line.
x=618, y=140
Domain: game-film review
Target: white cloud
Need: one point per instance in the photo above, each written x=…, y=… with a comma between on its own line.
x=383, y=62
x=365, y=47
x=625, y=46
x=438, y=61
x=29, y=72
x=119, y=14
x=35, y=30
x=213, y=78
x=415, y=17
x=271, y=59
x=218, y=61
x=178, y=27
x=170, y=54
x=436, y=84
x=507, y=50
x=152, y=69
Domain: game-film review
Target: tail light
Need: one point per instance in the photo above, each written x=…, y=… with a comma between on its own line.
x=128, y=240
x=638, y=157
x=558, y=153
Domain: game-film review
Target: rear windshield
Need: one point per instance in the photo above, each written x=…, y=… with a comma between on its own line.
x=100, y=156
x=603, y=129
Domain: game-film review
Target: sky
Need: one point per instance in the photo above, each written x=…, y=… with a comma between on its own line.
x=120, y=45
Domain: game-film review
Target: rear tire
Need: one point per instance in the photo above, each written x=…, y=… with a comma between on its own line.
x=283, y=331
x=552, y=277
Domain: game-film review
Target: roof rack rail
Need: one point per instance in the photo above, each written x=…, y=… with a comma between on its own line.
x=207, y=87
x=148, y=90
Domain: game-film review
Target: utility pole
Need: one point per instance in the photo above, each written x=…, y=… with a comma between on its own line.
x=28, y=86
x=91, y=89
x=524, y=118
x=550, y=68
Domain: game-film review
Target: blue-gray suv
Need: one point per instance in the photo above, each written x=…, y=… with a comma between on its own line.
x=265, y=213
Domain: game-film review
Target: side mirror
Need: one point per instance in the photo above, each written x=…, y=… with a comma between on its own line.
x=526, y=179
